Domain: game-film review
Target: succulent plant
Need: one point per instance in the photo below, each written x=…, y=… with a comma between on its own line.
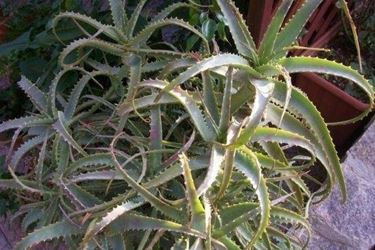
x=194, y=150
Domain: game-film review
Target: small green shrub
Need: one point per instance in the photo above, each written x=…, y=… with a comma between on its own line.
x=30, y=44
x=200, y=150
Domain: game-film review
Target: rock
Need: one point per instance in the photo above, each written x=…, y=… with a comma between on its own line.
x=350, y=225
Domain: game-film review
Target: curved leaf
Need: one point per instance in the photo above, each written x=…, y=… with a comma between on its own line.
x=319, y=65
x=207, y=132
x=195, y=205
x=12, y=184
x=61, y=128
x=162, y=206
x=144, y=102
x=110, y=48
x=24, y=148
x=36, y=96
x=108, y=30
x=212, y=171
x=168, y=10
x=74, y=97
x=212, y=62
x=53, y=231
x=143, y=36
x=134, y=18
x=247, y=163
x=293, y=28
x=17, y=123
x=282, y=136
x=300, y=105
x=112, y=216
x=118, y=13
x=242, y=38
x=131, y=221
x=269, y=39
x=264, y=89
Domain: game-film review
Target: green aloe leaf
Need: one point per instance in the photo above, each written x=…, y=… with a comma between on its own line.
x=19, y=123
x=112, y=216
x=195, y=205
x=134, y=18
x=144, y=102
x=247, y=163
x=242, y=38
x=301, y=106
x=230, y=213
x=24, y=148
x=269, y=39
x=131, y=221
x=229, y=244
x=210, y=63
x=319, y=65
x=143, y=36
x=264, y=89
x=288, y=35
x=209, y=98
x=74, y=97
x=108, y=30
x=156, y=134
x=52, y=231
x=212, y=171
x=225, y=114
x=108, y=47
x=171, y=8
x=62, y=129
x=281, y=167
x=118, y=13
x=284, y=215
x=85, y=198
x=162, y=206
x=37, y=97
x=205, y=129
x=282, y=136
x=12, y=184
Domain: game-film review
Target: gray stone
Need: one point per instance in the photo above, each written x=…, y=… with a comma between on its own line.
x=350, y=225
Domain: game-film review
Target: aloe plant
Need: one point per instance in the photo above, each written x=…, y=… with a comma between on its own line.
x=195, y=150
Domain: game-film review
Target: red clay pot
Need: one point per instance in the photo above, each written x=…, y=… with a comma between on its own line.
x=321, y=28
x=259, y=16
x=335, y=105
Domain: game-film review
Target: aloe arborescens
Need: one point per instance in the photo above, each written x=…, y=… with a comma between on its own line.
x=189, y=150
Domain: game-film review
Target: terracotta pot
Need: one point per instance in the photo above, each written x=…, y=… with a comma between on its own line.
x=321, y=28
x=334, y=105
x=332, y=102
x=259, y=16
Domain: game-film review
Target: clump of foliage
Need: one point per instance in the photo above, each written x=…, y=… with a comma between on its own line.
x=202, y=150
x=30, y=44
